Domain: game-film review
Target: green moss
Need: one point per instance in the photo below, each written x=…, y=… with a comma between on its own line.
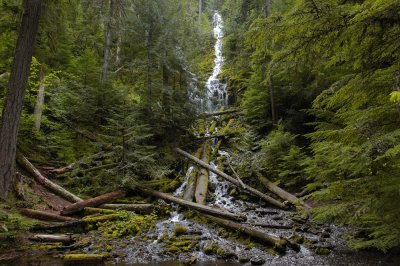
x=42, y=246
x=180, y=230
x=210, y=249
x=83, y=257
x=322, y=251
x=163, y=237
x=220, y=252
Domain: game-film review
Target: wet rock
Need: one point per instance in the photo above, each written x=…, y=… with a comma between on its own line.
x=257, y=261
x=244, y=259
x=297, y=238
x=298, y=219
x=325, y=235
x=190, y=261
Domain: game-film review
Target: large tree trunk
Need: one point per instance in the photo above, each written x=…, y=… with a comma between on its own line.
x=202, y=180
x=107, y=43
x=192, y=205
x=233, y=180
x=200, y=10
x=46, y=182
x=93, y=202
x=267, y=8
x=39, y=102
x=277, y=242
x=46, y=216
x=16, y=90
x=283, y=194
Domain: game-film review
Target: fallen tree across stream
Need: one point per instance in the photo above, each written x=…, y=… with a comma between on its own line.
x=231, y=111
x=283, y=194
x=233, y=180
x=22, y=161
x=278, y=243
x=192, y=205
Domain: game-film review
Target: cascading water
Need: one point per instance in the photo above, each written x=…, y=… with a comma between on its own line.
x=216, y=91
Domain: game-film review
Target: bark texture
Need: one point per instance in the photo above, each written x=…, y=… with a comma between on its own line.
x=107, y=43
x=93, y=202
x=202, y=180
x=45, y=216
x=15, y=93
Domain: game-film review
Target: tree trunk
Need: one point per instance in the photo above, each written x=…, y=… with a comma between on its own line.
x=280, y=192
x=138, y=208
x=39, y=102
x=15, y=93
x=52, y=238
x=272, y=99
x=45, y=216
x=277, y=242
x=46, y=182
x=192, y=179
x=192, y=205
x=200, y=10
x=233, y=180
x=202, y=180
x=267, y=8
x=107, y=43
x=93, y=202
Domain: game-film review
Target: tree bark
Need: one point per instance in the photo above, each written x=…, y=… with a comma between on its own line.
x=277, y=242
x=283, y=194
x=139, y=208
x=52, y=238
x=46, y=182
x=46, y=216
x=107, y=43
x=192, y=205
x=267, y=8
x=202, y=181
x=233, y=180
x=15, y=94
x=93, y=202
x=39, y=102
x=200, y=10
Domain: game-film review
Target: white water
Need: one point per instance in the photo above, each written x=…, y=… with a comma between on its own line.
x=216, y=91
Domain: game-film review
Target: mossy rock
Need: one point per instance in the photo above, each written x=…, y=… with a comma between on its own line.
x=210, y=249
x=322, y=251
x=180, y=230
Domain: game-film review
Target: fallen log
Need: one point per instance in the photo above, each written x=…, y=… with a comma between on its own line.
x=93, y=202
x=192, y=179
x=265, y=238
x=231, y=111
x=283, y=194
x=202, y=180
x=46, y=182
x=83, y=259
x=45, y=216
x=73, y=165
x=89, y=211
x=138, y=208
x=105, y=166
x=52, y=238
x=272, y=226
x=189, y=204
x=234, y=181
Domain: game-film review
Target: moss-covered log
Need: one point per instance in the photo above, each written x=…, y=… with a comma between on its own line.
x=138, y=208
x=192, y=179
x=283, y=194
x=24, y=163
x=45, y=216
x=278, y=242
x=93, y=202
x=233, y=180
x=83, y=259
x=202, y=180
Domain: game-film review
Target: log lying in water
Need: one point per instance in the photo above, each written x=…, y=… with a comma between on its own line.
x=233, y=180
x=93, y=202
x=265, y=238
x=83, y=259
x=283, y=194
x=46, y=182
x=232, y=111
x=192, y=205
x=52, y=238
x=202, y=181
x=139, y=208
x=45, y=216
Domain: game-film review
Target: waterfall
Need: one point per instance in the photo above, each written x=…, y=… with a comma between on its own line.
x=216, y=91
